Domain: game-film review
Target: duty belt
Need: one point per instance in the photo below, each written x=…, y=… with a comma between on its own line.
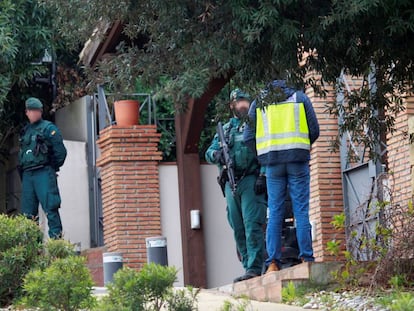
x=32, y=168
x=241, y=176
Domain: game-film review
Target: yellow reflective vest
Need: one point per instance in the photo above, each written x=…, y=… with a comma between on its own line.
x=282, y=126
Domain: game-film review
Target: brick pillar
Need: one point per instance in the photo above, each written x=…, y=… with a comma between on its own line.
x=326, y=198
x=401, y=155
x=130, y=189
x=410, y=112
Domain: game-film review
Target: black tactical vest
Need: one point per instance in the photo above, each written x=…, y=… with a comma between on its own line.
x=34, y=150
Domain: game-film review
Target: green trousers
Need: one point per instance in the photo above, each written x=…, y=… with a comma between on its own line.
x=40, y=185
x=246, y=213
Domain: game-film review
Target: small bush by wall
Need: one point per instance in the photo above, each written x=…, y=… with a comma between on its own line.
x=65, y=285
x=22, y=250
x=55, y=249
x=151, y=288
x=20, y=246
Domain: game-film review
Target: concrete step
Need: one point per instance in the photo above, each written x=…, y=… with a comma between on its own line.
x=268, y=287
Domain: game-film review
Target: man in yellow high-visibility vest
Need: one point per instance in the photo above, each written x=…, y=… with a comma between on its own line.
x=282, y=128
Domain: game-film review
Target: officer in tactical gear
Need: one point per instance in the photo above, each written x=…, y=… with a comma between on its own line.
x=41, y=155
x=246, y=205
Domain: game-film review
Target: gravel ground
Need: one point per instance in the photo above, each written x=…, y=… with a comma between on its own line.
x=345, y=301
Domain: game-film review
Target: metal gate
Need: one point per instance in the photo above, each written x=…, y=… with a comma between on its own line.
x=360, y=188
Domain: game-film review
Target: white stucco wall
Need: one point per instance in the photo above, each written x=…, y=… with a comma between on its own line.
x=73, y=187
x=222, y=263
x=72, y=120
x=170, y=218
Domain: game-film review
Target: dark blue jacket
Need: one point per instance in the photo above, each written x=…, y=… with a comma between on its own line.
x=283, y=156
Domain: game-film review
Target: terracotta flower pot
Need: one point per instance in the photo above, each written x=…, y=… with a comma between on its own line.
x=126, y=112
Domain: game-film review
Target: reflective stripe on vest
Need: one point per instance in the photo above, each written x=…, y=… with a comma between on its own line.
x=282, y=126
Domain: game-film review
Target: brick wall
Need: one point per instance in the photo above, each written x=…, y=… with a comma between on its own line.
x=400, y=159
x=326, y=184
x=94, y=262
x=410, y=112
x=130, y=190
x=410, y=104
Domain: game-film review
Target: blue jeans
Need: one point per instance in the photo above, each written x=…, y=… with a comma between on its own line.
x=296, y=175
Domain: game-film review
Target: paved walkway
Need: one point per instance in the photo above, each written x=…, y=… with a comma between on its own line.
x=214, y=299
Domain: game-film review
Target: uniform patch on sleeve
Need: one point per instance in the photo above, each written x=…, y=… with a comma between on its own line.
x=53, y=132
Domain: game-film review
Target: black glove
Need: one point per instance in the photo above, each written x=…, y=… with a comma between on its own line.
x=260, y=185
x=219, y=157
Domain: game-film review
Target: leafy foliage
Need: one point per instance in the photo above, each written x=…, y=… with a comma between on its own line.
x=151, y=288
x=24, y=35
x=399, y=281
x=20, y=246
x=26, y=32
x=289, y=292
x=165, y=110
x=192, y=42
x=397, y=300
x=65, y=285
x=55, y=249
x=241, y=304
x=22, y=251
x=386, y=251
x=338, y=221
x=404, y=302
x=333, y=247
x=182, y=300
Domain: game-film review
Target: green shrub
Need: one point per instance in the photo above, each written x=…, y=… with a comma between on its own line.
x=156, y=281
x=56, y=249
x=404, y=302
x=289, y=292
x=124, y=293
x=20, y=246
x=151, y=288
x=398, y=281
x=182, y=300
x=65, y=285
x=241, y=304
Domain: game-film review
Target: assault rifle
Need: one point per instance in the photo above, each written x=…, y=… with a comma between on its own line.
x=228, y=166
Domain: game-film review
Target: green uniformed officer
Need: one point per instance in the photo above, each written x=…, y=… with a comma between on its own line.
x=41, y=154
x=246, y=207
